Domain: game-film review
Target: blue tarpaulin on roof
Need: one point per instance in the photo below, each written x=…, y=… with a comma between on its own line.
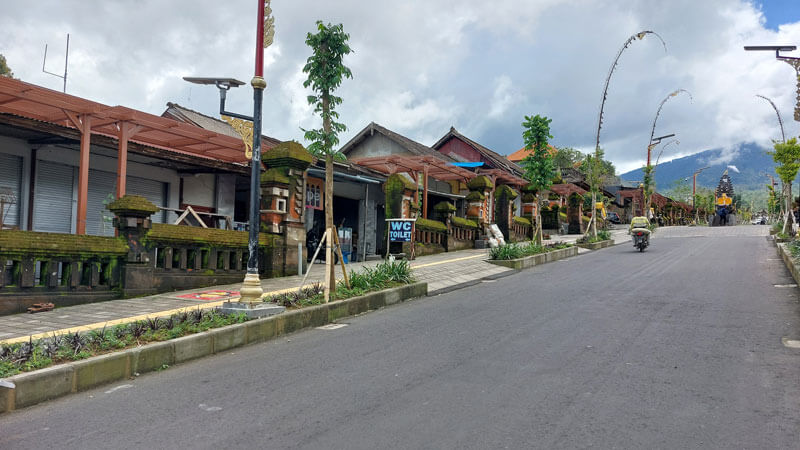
x=467, y=164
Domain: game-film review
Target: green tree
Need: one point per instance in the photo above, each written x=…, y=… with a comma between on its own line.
x=538, y=165
x=567, y=157
x=5, y=71
x=787, y=155
x=597, y=171
x=326, y=71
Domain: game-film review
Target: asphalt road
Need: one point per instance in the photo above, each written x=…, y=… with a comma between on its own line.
x=677, y=347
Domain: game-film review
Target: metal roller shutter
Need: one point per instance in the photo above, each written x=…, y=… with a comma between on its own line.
x=11, y=182
x=102, y=190
x=155, y=191
x=52, y=198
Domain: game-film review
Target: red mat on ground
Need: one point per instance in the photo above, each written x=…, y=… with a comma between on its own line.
x=210, y=295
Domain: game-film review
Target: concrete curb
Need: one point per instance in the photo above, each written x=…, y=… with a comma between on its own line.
x=790, y=264
x=469, y=283
x=597, y=245
x=52, y=382
x=535, y=260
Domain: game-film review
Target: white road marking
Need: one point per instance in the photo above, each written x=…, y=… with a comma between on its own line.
x=790, y=343
x=785, y=285
x=332, y=326
x=122, y=386
x=205, y=407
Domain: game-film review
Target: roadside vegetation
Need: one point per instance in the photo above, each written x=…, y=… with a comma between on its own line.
x=40, y=353
x=57, y=349
x=602, y=235
x=385, y=275
x=516, y=251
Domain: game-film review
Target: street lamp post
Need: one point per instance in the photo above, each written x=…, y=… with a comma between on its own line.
x=649, y=171
x=251, y=290
x=794, y=62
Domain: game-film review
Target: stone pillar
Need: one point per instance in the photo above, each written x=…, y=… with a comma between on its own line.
x=504, y=209
x=132, y=219
x=282, y=205
x=575, y=214
x=478, y=200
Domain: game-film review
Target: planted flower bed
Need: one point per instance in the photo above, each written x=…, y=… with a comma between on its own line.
x=602, y=240
x=522, y=256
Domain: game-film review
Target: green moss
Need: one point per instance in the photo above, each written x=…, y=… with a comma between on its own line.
x=430, y=225
x=287, y=154
x=133, y=204
x=563, y=216
x=162, y=233
x=528, y=198
x=504, y=190
x=444, y=207
x=464, y=223
x=522, y=221
x=480, y=182
x=575, y=200
x=475, y=196
x=275, y=175
x=394, y=188
x=57, y=244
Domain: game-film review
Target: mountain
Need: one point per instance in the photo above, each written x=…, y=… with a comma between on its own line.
x=753, y=163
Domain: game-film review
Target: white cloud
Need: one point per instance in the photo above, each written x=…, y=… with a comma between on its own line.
x=421, y=66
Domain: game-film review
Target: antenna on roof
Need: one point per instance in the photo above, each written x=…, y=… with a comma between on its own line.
x=66, y=61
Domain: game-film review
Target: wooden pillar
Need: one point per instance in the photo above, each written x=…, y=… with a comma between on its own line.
x=425, y=192
x=122, y=158
x=83, y=173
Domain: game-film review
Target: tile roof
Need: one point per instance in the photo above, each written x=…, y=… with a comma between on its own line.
x=520, y=154
x=497, y=160
x=413, y=147
x=184, y=114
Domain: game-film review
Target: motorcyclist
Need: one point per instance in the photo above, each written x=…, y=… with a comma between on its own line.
x=640, y=224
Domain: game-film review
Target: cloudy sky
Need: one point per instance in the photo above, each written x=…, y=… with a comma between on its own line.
x=421, y=66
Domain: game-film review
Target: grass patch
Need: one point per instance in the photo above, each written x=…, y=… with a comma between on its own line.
x=385, y=275
x=602, y=235
x=516, y=251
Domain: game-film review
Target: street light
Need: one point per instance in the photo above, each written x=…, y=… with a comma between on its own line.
x=792, y=61
x=251, y=291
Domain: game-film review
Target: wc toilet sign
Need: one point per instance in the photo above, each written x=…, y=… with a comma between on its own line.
x=401, y=230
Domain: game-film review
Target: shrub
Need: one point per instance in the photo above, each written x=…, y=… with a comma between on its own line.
x=430, y=225
x=464, y=223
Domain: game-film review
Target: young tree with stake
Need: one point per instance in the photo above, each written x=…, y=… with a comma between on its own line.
x=325, y=73
x=538, y=165
x=787, y=155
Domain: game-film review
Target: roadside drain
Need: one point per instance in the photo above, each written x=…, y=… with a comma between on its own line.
x=790, y=343
x=332, y=326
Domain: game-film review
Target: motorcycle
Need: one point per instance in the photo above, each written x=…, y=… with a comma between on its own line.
x=641, y=238
x=640, y=231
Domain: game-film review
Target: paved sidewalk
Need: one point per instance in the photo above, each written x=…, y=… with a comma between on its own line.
x=443, y=272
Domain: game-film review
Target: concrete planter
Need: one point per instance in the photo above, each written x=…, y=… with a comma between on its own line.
x=56, y=381
x=597, y=245
x=535, y=260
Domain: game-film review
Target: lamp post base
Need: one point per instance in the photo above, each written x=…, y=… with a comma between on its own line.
x=252, y=310
x=251, y=289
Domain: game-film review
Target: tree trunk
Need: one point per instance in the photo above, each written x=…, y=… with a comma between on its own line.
x=537, y=237
x=330, y=274
x=789, y=216
x=594, y=215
